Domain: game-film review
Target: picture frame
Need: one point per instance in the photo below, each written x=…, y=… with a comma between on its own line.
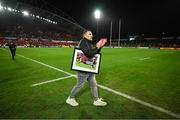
x=81, y=63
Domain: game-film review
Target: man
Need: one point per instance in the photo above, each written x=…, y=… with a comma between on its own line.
x=89, y=50
x=12, y=47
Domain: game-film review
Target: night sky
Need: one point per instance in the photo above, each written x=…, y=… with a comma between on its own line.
x=137, y=16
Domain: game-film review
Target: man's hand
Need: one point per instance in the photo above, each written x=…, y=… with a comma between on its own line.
x=98, y=44
x=101, y=43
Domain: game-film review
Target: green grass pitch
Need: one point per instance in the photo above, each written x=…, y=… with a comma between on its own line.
x=155, y=80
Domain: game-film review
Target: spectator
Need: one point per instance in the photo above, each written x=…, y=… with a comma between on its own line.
x=12, y=47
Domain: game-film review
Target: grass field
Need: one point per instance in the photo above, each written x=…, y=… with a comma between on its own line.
x=150, y=75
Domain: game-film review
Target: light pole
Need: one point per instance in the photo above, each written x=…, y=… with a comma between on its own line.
x=97, y=15
x=1, y=7
x=119, y=36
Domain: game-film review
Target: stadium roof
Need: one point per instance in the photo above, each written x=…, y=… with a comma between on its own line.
x=42, y=10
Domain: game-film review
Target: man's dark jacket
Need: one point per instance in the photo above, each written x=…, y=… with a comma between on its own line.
x=88, y=48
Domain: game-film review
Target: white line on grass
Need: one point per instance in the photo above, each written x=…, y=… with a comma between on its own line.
x=141, y=102
x=115, y=92
x=46, y=65
x=33, y=85
x=145, y=58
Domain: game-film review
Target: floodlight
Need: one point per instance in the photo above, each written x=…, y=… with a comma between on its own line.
x=9, y=9
x=25, y=13
x=97, y=14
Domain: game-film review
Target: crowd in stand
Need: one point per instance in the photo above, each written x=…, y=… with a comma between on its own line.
x=174, y=43
x=51, y=38
x=38, y=43
x=18, y=31
x=159, y=42
x=34, y=42
x=35, y=37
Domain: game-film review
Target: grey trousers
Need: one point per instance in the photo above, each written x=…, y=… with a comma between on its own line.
x=90, y=77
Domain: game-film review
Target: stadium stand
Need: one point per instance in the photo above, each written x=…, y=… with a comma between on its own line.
x=149, y=41
x=41, y=27
x=36, y=27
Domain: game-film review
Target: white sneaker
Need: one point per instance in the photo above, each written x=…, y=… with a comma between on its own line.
x=72, y=101
x=99, y=102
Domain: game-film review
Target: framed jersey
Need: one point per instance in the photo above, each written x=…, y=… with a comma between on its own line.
x=81, y=63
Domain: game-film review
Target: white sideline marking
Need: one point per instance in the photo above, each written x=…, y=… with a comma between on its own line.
x=141, y=102
x=116, y=92
x=33, y=85
x=46, y=65
x=145, y=58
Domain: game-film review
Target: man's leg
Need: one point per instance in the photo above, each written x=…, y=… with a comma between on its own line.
x=80, y=82
x=93, y=85
x=13, y=54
